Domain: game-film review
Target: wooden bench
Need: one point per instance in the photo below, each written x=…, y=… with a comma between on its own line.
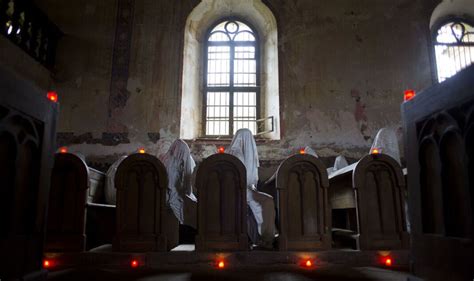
x=367, y=200
x=303, y=210
x=222, y=205
x=439, y=148
x=144, y=222
x=73, y=185
x=27, y=137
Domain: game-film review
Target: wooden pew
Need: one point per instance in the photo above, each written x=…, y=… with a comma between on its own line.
x=303, y=209
x=144, y=223
x=222, y=205
x=367, y=200
x=100, y=224
x=67, y=204
x=27, y=137
x=96, y=186
x=379, y=187
x=439, y=148
x=342, y=196
x=73, y=184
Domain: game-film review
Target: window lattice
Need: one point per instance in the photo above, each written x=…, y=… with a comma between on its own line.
x=454, y=48
x=231, y=80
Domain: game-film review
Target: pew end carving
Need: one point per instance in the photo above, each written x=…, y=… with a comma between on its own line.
x=439, y=146
x=67, y=204
x=222, y=204
x=27, y=141
x=144, y=223
x=380, y=193
x=303, y=210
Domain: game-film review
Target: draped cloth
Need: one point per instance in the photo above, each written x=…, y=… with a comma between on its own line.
x=339, y=163
x=110, y=191
x=180, y=166
x=387, y=142
x=261, y=204
x=310, y=151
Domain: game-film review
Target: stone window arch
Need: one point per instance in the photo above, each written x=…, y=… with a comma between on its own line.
x=199, y=23
x=453, y=42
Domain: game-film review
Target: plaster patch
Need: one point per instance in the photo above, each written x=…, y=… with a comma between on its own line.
x=134, y=85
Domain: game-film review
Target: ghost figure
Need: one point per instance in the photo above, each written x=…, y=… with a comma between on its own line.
x=339, y=163
x=310, y=151
x=387, y=143
x=180, y=166
x=110, y=191
x=261, y=204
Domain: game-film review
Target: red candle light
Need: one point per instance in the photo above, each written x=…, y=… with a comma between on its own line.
x=52, y=96
x=375, y=151
x=221, y=149
x=302, y=151
x=63, y=149
x=47, y=263
x=408, y=95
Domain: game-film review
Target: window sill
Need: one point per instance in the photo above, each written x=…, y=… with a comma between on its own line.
x=227, y=141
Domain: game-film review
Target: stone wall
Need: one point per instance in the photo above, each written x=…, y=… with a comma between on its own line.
x=343, y=67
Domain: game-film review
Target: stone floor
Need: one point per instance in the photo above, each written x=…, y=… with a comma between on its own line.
x=183, y=263
x=278, y=273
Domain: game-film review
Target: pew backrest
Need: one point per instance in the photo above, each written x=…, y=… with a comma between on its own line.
x=380, y=192
x=439, y=148
x=67, y=204
x=144, y=222
x=27, y=141
x=303, y=210
x=222, y=205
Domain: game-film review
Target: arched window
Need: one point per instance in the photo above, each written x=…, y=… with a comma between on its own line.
x=231, y=82
x=454, y=47
x=244, y=56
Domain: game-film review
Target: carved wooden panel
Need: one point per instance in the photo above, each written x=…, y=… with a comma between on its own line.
x=27, y=132
x=67, y=204
x=380, y=193
x=438, y=129
x=303, y=210
x=144, y=223
x=222, y=204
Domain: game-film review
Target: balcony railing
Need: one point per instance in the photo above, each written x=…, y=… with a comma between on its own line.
x=29, y=28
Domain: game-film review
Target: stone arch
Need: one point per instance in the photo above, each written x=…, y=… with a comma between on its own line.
x=199, y=20
x=452, y=8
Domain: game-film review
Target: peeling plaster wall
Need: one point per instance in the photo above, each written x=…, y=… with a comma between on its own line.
x=343, y=66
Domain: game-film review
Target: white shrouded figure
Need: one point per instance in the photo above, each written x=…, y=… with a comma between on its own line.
x=387, y=143
x=243, y=147
x=110, y=192
x=340, y=163
x=180, y=166
x=310, y=151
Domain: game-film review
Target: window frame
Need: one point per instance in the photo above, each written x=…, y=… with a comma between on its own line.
x=433, y=37
x=231, y=88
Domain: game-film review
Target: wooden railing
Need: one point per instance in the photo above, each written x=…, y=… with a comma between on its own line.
x=30, y=29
